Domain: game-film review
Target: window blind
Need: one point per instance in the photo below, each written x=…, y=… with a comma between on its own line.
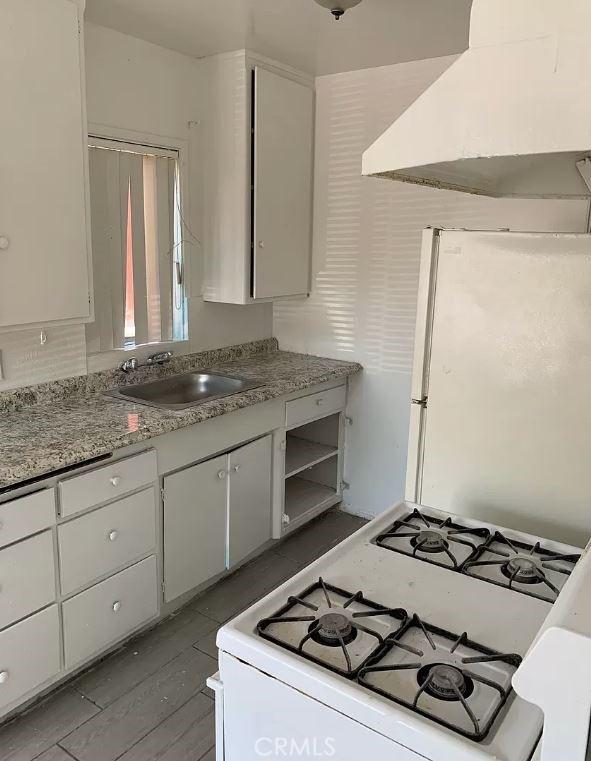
x=132, y=197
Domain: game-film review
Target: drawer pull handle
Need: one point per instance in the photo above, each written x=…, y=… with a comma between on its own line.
x=221, y=474
x=320, y=402
x=115, y=480
x=116, y=606
x=3, y=677
x=236, y=468
x=113, y=535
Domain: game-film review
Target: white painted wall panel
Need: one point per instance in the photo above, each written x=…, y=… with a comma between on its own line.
x=366, y=262
x=26, y=361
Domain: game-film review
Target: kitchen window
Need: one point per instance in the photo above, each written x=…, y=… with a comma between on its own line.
x=138, y=268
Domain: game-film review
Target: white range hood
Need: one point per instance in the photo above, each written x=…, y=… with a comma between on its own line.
x=510, y=117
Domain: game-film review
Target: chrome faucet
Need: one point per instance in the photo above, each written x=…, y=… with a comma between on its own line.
x=130, y=364
x=133, y=363
x=159, y=359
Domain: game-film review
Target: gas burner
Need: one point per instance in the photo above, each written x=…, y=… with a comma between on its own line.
x=333, y=629
x=525, y=568
x=326, y=625
x=445, y=682
x=433, y=540
x=522, y=569
x=429, y=540
x=468, y=684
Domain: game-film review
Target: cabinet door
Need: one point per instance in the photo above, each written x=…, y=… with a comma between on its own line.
x=195, y=501
x=250, y=499
x=283, y=124
x=43, y=251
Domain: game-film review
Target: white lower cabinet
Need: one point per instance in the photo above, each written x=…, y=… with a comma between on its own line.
x=105, y=613
x=27, y=577
x=108, y=482
x=194, y=526
x=215, y=514
x=249, y=499
x=26, y=515
x=105, y=540
x=29, y=655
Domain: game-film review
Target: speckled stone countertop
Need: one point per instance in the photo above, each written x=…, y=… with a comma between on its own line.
x=55, y=425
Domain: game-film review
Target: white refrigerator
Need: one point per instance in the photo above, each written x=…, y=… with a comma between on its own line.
x=501, y=392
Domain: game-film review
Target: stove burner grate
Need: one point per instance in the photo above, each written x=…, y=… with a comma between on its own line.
x=521, y=564
x=446, y=681
x=432, y=537
x=332, y=625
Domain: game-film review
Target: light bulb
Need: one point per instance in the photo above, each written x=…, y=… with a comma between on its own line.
x=338, y=7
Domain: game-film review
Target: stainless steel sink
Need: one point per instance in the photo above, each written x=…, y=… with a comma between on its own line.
x=179, y=392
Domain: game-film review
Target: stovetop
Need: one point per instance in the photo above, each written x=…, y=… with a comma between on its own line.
x=443, y=676
x=381, y=675
x=477, y=551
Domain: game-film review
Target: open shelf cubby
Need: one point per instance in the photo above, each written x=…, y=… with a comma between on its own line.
x=302, y=454
x=311, y=469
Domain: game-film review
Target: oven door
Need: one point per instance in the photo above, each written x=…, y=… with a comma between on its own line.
x=264, y=718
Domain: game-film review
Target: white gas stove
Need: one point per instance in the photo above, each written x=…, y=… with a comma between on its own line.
x=399, y=644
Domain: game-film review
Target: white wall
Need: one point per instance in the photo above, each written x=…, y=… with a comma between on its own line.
x=366, y=262
x=133, y=85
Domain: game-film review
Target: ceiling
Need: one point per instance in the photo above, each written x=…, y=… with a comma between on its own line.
x=296, y=32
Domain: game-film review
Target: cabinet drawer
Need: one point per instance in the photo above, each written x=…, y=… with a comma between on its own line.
x=27, y=577
x=26, y=515
x=105, y=613
x=107, y=539
x=29, y=655
x=315, y=405
x=109, y=482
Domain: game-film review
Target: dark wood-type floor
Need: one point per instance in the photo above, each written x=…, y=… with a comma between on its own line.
x=148, y=700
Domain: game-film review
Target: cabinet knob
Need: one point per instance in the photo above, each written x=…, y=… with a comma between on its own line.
x=3, y=677
x=320, y=402
x=221, y=474
x=236, y=468
x=115, y=480
x=4, y=242
x=116, y=606
x=113, y=535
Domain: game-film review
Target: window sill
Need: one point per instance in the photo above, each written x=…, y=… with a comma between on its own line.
x=107, y=360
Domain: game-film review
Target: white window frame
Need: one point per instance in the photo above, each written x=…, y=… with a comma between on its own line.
x=162, y=146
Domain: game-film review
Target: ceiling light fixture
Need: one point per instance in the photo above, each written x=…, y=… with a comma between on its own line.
x=338, y=7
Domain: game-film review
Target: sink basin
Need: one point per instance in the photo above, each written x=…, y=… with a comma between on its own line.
x=179, y=392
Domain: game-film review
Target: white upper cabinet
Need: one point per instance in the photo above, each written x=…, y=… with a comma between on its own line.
x=258, y=146
x=282, y=185
x=43, y=227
